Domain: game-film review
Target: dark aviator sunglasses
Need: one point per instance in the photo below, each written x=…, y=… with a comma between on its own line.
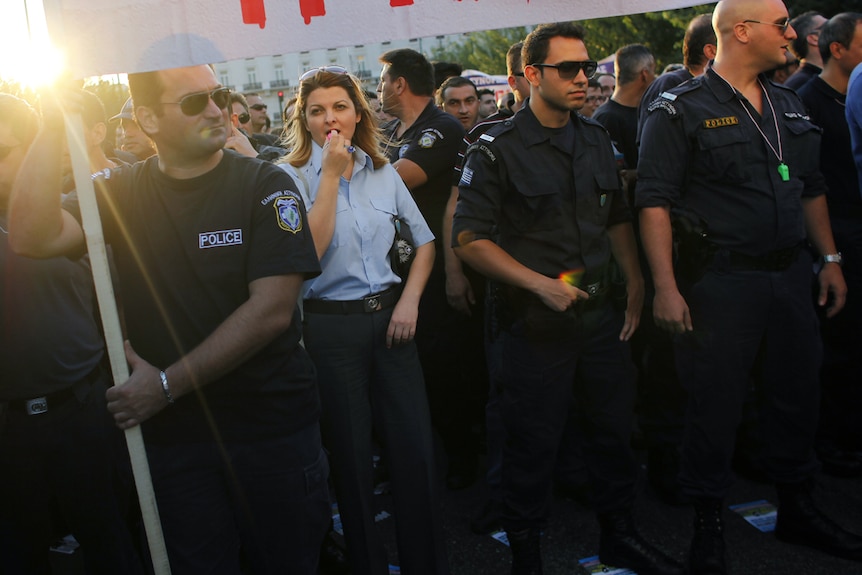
x=194, y=104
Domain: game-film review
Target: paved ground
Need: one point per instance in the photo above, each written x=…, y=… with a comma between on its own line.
x=573, y=534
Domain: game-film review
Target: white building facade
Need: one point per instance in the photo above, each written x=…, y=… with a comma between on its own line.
x=270, y=76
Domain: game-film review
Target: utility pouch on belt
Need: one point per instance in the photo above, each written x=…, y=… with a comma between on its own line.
x=694, y=251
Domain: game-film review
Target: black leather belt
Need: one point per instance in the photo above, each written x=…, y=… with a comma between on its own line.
x=775, y=261
x=368, y=304
x=39, y=405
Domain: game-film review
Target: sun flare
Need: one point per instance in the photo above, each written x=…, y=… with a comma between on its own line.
x=27, y=55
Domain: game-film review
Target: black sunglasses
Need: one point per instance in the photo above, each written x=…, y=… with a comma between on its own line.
x=243, y=118
x=258, y=107
x=6, y=150
x=194, y=104
x=570, y=70
x=331, y=69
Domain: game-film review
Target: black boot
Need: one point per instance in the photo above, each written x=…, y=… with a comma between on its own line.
x=526, y=551
x=620, y=545
x=707, y=555
x=800, y=522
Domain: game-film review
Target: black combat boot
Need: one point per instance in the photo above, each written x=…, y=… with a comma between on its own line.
x=620, y=545
x=526, y=551
x=707, y=555
x=800, y=522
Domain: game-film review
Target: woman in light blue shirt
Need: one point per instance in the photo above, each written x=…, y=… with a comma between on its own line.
x=360, y=320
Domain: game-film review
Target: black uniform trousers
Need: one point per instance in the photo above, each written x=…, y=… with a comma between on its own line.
x=745, y=322
x=71, y=454
x=538, y=377
x=364, y=384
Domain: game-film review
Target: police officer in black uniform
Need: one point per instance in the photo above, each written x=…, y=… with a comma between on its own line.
x=734, y=157
x=544, y=186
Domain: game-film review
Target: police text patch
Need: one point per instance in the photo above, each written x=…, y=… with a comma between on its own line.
x=220, y=238
x=720, y=122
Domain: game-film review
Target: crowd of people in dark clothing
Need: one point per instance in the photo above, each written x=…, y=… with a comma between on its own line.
x=530, y=284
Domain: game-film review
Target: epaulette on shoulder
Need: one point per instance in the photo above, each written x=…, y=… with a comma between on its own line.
x=666, y=101
x=497, y=129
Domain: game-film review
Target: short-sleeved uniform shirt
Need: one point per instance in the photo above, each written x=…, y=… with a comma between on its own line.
x=356, y=263
x=186, y=251
x=701, y=151
x=431, y=142
x=546, y=196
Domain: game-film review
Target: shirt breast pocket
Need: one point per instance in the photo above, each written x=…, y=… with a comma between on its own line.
x=340, y=235
x=802, y=144
x=723, y=152
x=536, y=205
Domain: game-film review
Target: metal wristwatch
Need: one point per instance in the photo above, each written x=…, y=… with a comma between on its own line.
x=835, y=258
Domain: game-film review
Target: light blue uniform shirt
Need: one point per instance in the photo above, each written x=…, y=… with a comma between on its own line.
x=356, y=263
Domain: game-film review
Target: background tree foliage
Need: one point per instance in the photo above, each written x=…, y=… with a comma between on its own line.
x=661, y=32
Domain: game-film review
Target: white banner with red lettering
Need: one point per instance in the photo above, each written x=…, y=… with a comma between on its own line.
x=117, y=36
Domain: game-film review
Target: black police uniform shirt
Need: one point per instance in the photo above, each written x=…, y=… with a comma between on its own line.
x=431, y=142
x=49, y=339
x=700, y=151
x=826, y=106
x=186, y=251
x=802, y=76
x=473, y=135
x=545, y=196
x=621, y=122
x=661, y=84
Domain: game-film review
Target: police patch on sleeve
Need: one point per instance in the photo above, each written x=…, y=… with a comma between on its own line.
x=662, y=104
x=427, y=140
x=288, y=214
x=466, y=177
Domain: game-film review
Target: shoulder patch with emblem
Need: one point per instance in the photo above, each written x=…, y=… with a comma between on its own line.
x=720, y=122
x=427, y=140
x=288, y=214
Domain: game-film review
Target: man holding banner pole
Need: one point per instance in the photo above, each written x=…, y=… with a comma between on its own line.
x=211, y=250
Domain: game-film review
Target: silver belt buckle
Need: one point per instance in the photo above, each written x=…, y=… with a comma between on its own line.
x=36, y=406
x=593, y=289
x=372, y=303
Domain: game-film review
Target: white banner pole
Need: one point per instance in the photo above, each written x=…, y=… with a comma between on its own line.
x=113, y=335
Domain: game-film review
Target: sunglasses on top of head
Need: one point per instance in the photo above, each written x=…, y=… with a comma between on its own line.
x=570, y=70
x=194, y=104
x=331, y=69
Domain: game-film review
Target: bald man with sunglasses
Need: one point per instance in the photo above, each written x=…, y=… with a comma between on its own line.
x=211, y=250
x=731, y=159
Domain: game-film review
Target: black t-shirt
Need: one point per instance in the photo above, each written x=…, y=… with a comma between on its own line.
x=49, y=339
x=186, y=251
x=826, y=108
x=431, y=142
x=621, y=122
